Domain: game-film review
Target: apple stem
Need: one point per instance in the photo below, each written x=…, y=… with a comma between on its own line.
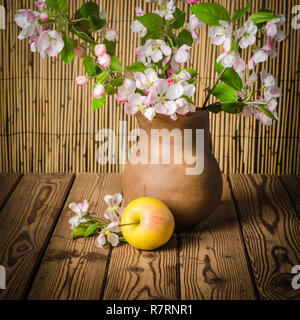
x=127, y=224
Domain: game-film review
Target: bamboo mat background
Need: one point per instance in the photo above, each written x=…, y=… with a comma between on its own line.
x=47, y=123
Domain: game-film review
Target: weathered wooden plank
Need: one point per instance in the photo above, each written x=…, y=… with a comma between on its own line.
x=76, y=269
x=27, y=220
x=7, y=184
x=292, y=184
x=271, y=230
x=143, y=275
x=213, y=264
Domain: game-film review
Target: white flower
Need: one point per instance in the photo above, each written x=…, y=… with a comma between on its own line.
x=76, y=221
x=113, y=239
x=247, y=34
x=111, y=35
x=168, y=12
x=182, y=55
x=79, y=208
x=272, y=90
x=114, y=227
x=126, y=90
x=153, y=50
x=102, y=15
x=195, y=23
x=27, y=20
x=113, y=200
x=146, y=80
x=100, y=242
x=272, y=28
x=221, y=35
x=100, y=49
x=99, y=91
x=164, y=96
x=50, y=43
x=137, y=102
x=139, y=28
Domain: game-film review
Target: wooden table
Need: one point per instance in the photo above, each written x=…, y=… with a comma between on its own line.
x=245, y=250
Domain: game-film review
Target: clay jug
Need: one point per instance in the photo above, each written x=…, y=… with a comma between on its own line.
x=191, y=197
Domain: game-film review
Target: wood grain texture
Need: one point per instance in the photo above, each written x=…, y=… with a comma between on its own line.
x=47, y=123
x=143, y=275
x=292, y=184
x=271, y=230
x=27, y=220
x=8, y=183
x=212, y=257
x=76, y=269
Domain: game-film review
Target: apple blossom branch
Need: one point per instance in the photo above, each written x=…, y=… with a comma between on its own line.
x=159, y=82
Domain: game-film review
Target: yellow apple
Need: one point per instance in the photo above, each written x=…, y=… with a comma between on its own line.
x=147, y=223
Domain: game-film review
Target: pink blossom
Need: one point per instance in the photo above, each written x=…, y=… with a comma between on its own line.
x=273, y=31
x=99, y=91
x=100, y=242
x=44, y=16
x=27, y=20
x=111, y=35
x=195, y=23
x=221, y=35
x=100, y=49
x=81, y=81
x=79, y=51
x=104, y=60
x=139, y=12
x=182, y=55
x=126, y=90
x=192, y=2
x=50, y=43
x=41, y=4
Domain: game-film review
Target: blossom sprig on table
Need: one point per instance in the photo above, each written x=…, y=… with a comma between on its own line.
x=53, y=30
x=107, y=229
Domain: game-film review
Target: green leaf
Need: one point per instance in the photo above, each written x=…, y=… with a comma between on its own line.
x=230, y=77
x=136, y=67
x=152, y=21
x=110, y=90
x=117, y=82
x=116, y=64
x=78, y=232
x=89, y=9
x=58, y=5
x=239, y=13
x=83, y=26
x=122, y=239
x=67, y=53
x=102, y=78
x=263, y=16
x=210, y=13
x=225, y=93
x=215, y=107
x=90, y=66
x=84, y=36
x=179, y=19
x=234, y=107
x=97, y=23
x=110, y=46
x=99, y=103
x=267, y=112
x=219, y=67
x=91, y=229
x=185, y=37
x=152, y=35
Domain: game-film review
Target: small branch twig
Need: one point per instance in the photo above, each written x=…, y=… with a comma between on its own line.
x=210, y=91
